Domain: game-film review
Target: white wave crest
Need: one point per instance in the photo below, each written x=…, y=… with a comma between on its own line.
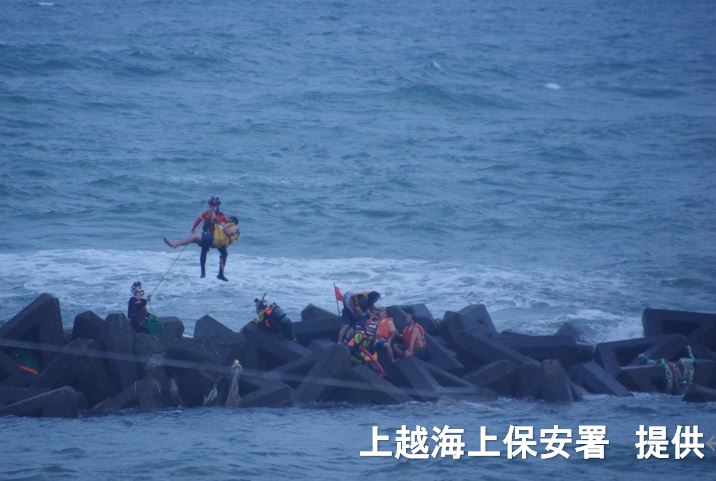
x=533, y=301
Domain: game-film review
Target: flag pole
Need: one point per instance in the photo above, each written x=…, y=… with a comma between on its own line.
x=335, y=288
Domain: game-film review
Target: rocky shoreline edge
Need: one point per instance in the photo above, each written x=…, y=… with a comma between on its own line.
x=102, y=366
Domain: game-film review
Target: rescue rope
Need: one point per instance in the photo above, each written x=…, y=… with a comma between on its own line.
x=168, y=270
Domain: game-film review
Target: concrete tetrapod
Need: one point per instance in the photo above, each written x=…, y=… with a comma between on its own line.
x=63, y=402
x=40, y=321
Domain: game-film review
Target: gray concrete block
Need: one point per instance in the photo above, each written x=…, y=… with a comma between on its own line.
x=541, y=348
x=41, y=322
x=92, y=377
x=556, y=386
x=529, y=380
x=12, y=394
x=705, y=373
x=701, y=352
x=277, y=348
x=328, y=371
x=80, y=367
x=596, y=380
x=321, y=344
x=317, y=323
x=617, y=354
x=118, y=338
x=293, y=373
x=475, y=351
x=145, y=346
x=698, y=327
x=578, y=391
x=499, y=376
x=144, y=393
x=367, y=387
x=60, y=403
x=172, y=328
x=700, y=394
x=197, y=351
x=473, y=319
x=441, y=356
x=257, y=392
x=87, y=325
x=194, y=384
x=646, y=378
x=569, y=330
x=63, y=368
x=209, y=329
x=430, y=383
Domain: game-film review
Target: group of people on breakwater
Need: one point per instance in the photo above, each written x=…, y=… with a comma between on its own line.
x=369, y=332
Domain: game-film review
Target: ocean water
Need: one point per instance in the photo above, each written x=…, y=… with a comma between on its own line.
x=554, y=161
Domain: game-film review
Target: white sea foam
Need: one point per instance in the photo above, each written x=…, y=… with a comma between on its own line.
x=99, y=280
x=552, y=86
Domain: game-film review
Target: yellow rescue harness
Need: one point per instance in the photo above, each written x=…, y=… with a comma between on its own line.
x=221, y=239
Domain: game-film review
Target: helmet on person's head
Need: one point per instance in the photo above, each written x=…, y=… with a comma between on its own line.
x=214, y=202
x=135, y=285
x=234, y=220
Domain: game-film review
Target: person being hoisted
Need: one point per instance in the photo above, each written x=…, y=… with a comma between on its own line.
x=218, y=232
x=210, y=219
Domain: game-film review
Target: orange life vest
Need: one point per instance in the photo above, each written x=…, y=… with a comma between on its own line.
x=385, y=329
x=415, y=330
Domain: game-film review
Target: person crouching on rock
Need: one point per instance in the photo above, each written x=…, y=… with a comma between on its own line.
x=219, y=236
x=356, y=310
x=384, y=336
x=414, y=342
x=272, y=318
x=137, y=309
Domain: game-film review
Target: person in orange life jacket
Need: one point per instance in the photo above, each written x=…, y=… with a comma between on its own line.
x=211, y=217
x=137, y=309
x=356, y=309
x=414, y=342
x=361, y=344
x=272, y=318
x=385, y=335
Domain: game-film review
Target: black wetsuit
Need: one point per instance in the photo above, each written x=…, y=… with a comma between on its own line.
x=274, y=320
x=207, y=239
x=137, y=314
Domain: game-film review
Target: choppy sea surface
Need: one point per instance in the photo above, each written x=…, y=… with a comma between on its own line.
x=554, y=161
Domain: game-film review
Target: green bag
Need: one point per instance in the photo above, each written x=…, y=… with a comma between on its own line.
x=153, y=324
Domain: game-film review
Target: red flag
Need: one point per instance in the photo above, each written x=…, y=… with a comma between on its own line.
x=337, y=291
